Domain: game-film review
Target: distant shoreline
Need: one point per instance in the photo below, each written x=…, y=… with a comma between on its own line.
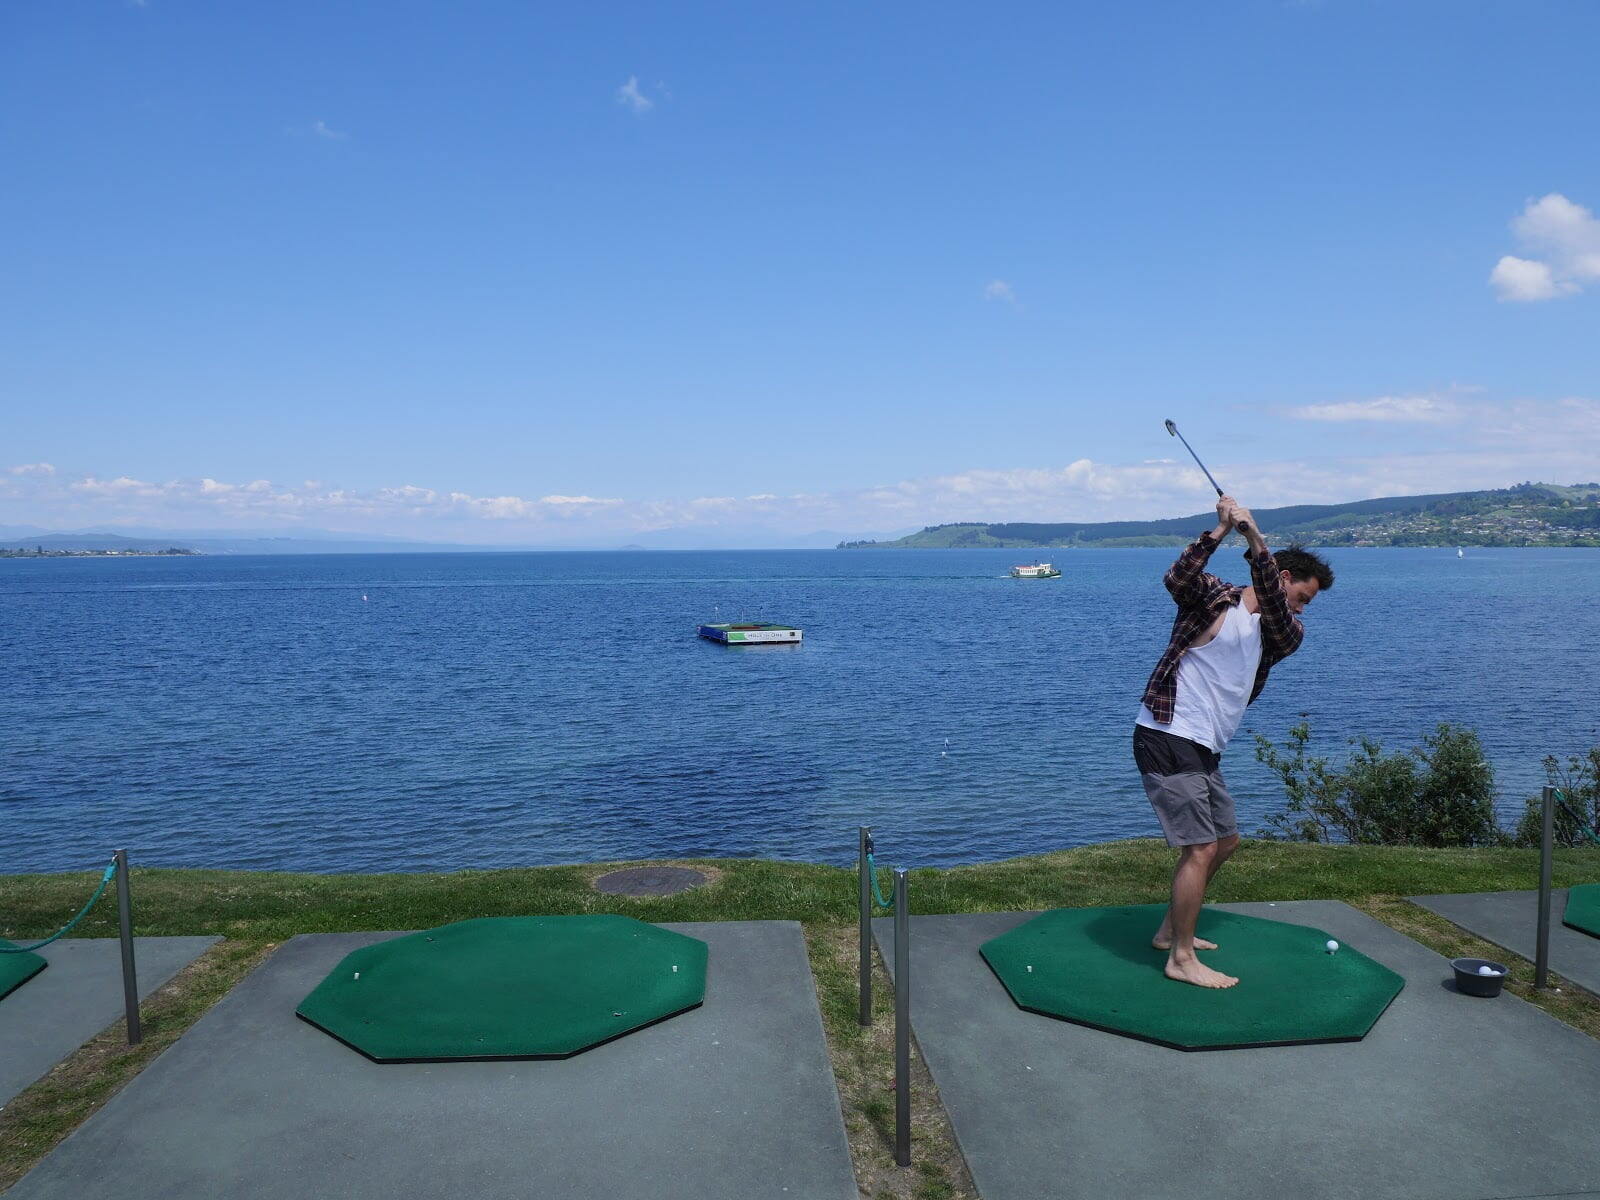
x=171, y=552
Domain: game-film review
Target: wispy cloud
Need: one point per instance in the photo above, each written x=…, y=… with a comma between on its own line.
x=1429, y=408
x=321, y=129
x=630, y=97
x=38, y=468
x=999, y=289
x=1565, y=237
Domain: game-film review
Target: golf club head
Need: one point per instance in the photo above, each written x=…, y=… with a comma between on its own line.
x=1172, y=429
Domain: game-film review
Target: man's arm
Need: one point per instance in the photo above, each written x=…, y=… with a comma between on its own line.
x=1281, y=631
x=1186, y=579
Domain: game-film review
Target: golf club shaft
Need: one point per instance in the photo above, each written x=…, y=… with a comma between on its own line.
x=1243, y=526
x=1197, y=461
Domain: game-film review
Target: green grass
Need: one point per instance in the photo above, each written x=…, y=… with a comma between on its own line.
x=254, y=911
x=272, y=906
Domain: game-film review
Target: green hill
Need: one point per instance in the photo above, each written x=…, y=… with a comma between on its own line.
x=1529, y=514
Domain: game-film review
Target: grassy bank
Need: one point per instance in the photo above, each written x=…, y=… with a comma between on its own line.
x=254, y=911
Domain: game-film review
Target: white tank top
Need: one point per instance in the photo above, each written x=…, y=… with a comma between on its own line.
x=1214, y=683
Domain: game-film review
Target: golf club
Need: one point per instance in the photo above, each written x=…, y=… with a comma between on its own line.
x=1172, y=428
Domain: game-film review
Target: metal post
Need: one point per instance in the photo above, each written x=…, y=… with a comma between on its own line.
x=1541, y=966
x=902, y=1021
x=865, y=880
x=130, y=982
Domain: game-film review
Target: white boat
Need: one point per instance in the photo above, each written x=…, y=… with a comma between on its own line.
x=1038, y=570
x=750, y=633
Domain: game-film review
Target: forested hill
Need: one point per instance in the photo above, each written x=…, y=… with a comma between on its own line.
x=1529, y=514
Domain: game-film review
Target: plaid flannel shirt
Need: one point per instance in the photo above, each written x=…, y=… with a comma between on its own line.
x=1200, y=597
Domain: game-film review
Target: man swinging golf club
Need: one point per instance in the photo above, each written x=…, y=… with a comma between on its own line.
x=1224, y=641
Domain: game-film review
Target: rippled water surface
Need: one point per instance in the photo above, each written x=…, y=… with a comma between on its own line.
x=423, y=712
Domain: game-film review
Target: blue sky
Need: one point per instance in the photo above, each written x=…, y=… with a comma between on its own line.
x=546, y=274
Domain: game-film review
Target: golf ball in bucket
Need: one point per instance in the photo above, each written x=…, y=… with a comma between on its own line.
x=1486, y=970
x=1332, y=945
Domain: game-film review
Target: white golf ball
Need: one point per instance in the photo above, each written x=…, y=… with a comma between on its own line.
x=1487, y=970
x=1332, y=945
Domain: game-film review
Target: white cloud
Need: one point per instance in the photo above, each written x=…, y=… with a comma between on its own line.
x=575, y=500
x=320, y=128
x=38, y=468
x=1425, y=409
x=1491, y=444
x=1566, y=238
x=630, y=97
x=999, y=289
x=1523, y=279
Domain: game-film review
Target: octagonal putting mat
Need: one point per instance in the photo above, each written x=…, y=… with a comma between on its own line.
x=1583, y=909
x=1096, y=967
x=1430, y=1105
x=17, y=969
x=508, y=987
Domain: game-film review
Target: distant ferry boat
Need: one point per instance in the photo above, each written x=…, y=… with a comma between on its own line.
x=750, y=634
x=1036, y=570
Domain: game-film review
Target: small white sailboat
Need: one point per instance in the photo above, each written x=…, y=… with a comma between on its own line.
x=1460, y=553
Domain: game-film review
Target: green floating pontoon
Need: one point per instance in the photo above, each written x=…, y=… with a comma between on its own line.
x=508, y=987
x=1583, y=909
x=1096, y=967
x=17, y=969
x=751, y=634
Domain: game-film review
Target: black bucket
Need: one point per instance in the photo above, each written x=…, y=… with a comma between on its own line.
x=1471, y=983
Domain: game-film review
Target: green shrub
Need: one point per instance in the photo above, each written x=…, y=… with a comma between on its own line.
x=1579, y=779
x=1438, y=794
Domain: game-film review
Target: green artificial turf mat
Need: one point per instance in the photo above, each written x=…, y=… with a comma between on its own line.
x=508, y=987
x=17, y=969
x=1095, y=966
x=1583, y=908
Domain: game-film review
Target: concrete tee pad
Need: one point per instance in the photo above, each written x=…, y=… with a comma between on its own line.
x=75, y=997
x=733, y=1099
x=1447, y=1098
x=1511, y=919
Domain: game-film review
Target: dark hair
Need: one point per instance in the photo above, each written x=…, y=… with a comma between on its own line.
x=1303, y=564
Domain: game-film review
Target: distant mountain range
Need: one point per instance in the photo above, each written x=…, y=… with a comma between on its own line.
x=1529, y=514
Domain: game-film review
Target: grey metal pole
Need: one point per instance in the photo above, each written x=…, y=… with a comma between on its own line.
x=902, y=1021
x=1541, y=966
x=130, y=981
x=864, y=879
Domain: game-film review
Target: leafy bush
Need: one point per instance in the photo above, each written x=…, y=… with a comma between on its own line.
x=1579, y=779
x=1438, y=794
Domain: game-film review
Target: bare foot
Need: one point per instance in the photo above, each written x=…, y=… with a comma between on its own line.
x=1196, y=972
x=1163, y=941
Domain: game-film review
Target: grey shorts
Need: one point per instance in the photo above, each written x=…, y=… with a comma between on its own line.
x=1184, y=782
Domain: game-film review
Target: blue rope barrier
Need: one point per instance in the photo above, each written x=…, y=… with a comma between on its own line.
x=872, y=872
x=111, y=869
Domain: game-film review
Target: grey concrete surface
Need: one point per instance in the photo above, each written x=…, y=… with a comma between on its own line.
x=1448, y=1098
x=733, y=1099
x=1511, y=919
x=77, y=996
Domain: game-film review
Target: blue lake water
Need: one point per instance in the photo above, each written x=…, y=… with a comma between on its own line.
x=487, y=710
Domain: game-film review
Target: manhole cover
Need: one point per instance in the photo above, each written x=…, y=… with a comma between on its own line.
x=649, y=881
